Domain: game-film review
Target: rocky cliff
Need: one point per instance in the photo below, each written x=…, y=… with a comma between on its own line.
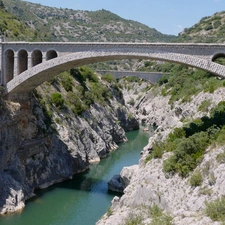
x=36, y=154
x=153, y=197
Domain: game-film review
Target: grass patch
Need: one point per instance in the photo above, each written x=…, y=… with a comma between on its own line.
x=196, y=179
x=158, y=217
x=204, y=106
x=133, y=220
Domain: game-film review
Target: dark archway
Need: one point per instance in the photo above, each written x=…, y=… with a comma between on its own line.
x=22, y=61
x=9, y=65
x=36, y=58
x=219, y=58
x=51, y=54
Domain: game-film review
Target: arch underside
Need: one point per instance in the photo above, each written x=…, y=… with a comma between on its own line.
x=35, y=76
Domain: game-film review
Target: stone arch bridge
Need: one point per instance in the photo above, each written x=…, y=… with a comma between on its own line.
x=25, y=65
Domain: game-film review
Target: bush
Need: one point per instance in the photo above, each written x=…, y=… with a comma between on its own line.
x=158, y=217
x=204, y=106
x=220, y=158
x=109, y=78
x=66, y=81
x=75, y=104
x=78, y=75
x=157, y=151
x=196, y=179
x=57, y=100
x=216, y=209
x=137, y=220
x=188, y=153
x=163, y=80
x=88, y=74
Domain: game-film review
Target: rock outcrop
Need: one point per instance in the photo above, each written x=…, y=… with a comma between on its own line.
x=149, y=186
x=36, y=155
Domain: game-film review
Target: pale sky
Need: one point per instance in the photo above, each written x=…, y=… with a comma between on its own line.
x=166, y=16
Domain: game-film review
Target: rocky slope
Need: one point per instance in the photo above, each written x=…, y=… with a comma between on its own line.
x=57, y=24
x=35, y=153
x=208, y=29
x=153, y=197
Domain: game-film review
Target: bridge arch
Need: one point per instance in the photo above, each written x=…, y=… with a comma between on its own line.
x=36, y=75
x=22, y=61
x=36, y=57
x=9, y=64
x=51, y=54
x=218, y=55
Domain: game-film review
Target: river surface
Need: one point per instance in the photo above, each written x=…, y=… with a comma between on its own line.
x=85, y=198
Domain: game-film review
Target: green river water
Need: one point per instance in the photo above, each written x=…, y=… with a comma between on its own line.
x=85, y=198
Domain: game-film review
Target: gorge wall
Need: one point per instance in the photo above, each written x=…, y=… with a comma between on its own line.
x=147, y=186
x=35, y=155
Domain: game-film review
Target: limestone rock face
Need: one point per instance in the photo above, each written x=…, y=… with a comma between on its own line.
x=173, y=194
x=35, y=155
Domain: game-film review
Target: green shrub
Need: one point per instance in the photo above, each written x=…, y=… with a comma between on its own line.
x=177, y=133
x=204, y=106
x=188, y=153
x=163, y=80
x=109, y=212
x=158, y=217
x=109, y=78
x=216, y=209
x=66, y=81
x=57, y=100
x=133, y=220
x=57, y=120
x=87, y=73
x=76, y=73
x=196, y=179
x=220, y=158
x=157, y=151
x=75, y=104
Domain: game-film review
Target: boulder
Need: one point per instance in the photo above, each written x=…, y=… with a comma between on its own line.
x=115, y=184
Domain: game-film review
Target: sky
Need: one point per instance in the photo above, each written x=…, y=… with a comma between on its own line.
x=166, y=16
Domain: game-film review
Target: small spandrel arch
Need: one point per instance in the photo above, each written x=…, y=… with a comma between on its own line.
x=36, y=58
x=22, y=61
x=9, y=65
x=51, y=54
x=219, y=58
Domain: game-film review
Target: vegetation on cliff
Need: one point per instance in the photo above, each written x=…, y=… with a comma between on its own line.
x=209, y=29
x=13, y=28
x=76, y=90
x=57, y=24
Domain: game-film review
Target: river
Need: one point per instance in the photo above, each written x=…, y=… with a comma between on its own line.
x=85, y=198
